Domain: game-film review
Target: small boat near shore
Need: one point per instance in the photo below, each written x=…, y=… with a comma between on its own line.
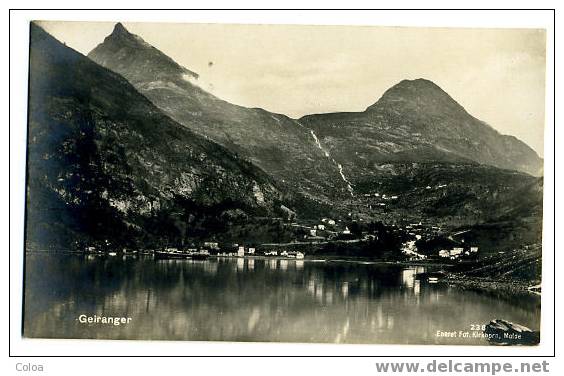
x=174, y=253
x=170, y=253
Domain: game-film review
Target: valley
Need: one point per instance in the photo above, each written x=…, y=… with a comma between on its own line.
x=240, y=175
x=152, y=200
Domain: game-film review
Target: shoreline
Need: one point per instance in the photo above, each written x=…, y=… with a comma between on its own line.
x=501, y=289
x=313, y=258
x=458, y=280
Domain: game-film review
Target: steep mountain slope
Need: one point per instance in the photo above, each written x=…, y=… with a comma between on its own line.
x=279, y=145
x=450, y=194
x=415, y=136
x=417, y=121
x=105, y=164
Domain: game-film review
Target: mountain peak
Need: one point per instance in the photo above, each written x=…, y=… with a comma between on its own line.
x=121, y=34
x=144, y=60
x=119, y=29
x=418, y=86
x=418, y=82
x=421, y=93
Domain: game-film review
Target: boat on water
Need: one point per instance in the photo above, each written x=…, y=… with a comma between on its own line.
x=170, y=253
x=174, y=253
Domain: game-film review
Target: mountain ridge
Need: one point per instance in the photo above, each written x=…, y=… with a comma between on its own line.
x=430, y=104
x=418, y=114
x=109, y=159
x=99, y=170
x=274, y=142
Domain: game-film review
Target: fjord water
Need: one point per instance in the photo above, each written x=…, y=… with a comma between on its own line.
x=236, y=299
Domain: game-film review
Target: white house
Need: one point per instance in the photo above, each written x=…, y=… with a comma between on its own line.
x=241, y=251
x=457, y=251
x=444, y=253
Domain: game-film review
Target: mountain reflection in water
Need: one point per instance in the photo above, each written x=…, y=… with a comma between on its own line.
x=236, y=299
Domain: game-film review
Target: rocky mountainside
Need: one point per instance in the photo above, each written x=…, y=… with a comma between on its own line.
x=323, y=156
x=417, y=121
x=105, y=164
x=416, y=143
x=279, y=145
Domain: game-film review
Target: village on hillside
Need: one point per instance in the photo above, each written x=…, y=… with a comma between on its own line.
x=408, y=242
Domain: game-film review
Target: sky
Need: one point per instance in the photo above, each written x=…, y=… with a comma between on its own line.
x=497, y=75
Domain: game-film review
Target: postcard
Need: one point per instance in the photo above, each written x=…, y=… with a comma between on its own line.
x=284, y=183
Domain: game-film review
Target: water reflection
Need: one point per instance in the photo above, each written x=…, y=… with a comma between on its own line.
x=408, y=276
x=273, y=264
x=240, y=299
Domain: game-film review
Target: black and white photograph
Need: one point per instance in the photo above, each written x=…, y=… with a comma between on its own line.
x=339, y=184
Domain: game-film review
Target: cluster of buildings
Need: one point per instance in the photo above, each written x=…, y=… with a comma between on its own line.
x=237, y=251
x=289, y=254
x=419, y=231
x=242, y=251
x=457, y=252
x=326, y=230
